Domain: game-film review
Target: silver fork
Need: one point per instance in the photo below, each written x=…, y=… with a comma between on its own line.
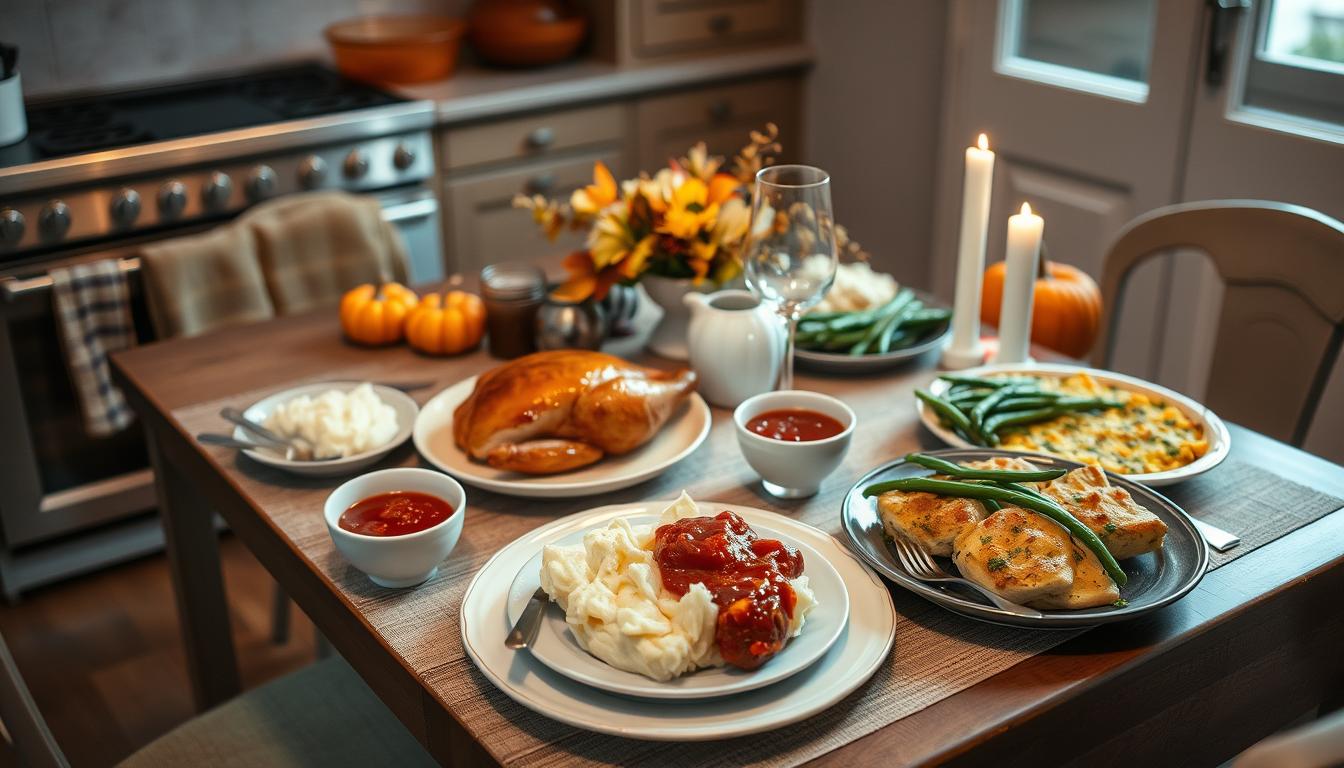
x=921, y=565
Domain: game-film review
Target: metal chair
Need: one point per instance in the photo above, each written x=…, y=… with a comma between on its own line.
x=1282, y=319
x=323, y=714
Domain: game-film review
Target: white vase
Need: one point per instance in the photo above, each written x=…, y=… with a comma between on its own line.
x=736, y=346
x=668, y=338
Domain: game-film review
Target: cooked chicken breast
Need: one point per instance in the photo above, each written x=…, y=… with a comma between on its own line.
x=1092, y=586
x=1002, y=462
x=1018, y=554
x=1126, y=527
x=932, y=522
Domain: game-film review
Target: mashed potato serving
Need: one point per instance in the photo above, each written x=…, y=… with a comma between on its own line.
x=337, y=424
x=617, y=605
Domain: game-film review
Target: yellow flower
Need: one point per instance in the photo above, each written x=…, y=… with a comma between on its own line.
x=590, y=200
x=610, y=239
x=688, y=212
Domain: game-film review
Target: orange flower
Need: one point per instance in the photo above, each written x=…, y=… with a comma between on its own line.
x=585, y=280
x=596, y=196
x=722, y=187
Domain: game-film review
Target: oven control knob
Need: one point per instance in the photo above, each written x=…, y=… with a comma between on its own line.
x=217, y=191
x=403, y=157
x=312, y=172
x=125, y=207
x=260, y=183
x=54, y=220
x=356, y=164
x=11, y=226
x=172, y=199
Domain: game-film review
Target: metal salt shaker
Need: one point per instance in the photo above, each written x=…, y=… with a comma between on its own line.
x=570, y=325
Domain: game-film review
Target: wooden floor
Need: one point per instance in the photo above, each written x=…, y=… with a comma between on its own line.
x=103, y=656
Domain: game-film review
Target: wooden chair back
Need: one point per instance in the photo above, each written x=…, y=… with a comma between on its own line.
x=1282, y=319
x=28, y=732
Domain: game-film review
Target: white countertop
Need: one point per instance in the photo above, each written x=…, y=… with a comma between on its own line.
x=475, y=93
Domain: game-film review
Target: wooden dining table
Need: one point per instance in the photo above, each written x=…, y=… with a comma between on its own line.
x=1253, y=647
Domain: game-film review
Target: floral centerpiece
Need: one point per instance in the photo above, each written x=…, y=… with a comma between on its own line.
x=685, y=223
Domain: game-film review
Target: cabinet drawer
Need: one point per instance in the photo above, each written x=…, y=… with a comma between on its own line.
x=533, y=136
x=667, y=126
x=482, y=225
x=666, y=26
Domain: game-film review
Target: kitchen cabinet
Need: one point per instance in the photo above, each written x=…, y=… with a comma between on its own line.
x=644, y=31
x=666, y=126
x=485, y=227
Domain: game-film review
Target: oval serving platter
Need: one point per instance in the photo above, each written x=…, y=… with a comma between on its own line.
x=1215, y=431
x=1156, y=579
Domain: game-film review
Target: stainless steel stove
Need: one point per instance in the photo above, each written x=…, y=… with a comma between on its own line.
x=98, y=176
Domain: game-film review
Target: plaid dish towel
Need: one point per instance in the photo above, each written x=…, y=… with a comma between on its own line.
x=93, y=313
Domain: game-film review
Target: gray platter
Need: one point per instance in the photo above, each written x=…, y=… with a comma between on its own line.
x=832, y=362
x=1156, y=579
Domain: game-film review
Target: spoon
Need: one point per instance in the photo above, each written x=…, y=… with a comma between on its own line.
x=301, y=447
x=212, y=438
x=524, y=633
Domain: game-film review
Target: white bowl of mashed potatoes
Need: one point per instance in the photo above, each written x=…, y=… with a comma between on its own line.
x=349, y=425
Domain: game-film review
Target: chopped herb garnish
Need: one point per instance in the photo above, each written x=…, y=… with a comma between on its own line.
x=1109, y=527
x=1077, y=556
x=985, y=540
x=1121, y=603
x=997, y=563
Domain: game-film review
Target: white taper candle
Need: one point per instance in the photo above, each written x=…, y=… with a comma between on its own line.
x=966, y=350
x=1019, y=286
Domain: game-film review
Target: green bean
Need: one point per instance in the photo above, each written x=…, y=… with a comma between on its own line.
x=968, y=394
x=844, y=340
x=875, y=331
x=928, y=316
x=1027, y=402
x=884, y=339
x=1086, y=403
x=977, y=381
x=970, y=473
x=869, y=317
x=1051, y=510
x=998, y=421
x=946, y=411
x=983, y=408
x=992, y=505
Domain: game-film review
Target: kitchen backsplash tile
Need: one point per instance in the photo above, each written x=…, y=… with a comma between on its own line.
x=71, y=45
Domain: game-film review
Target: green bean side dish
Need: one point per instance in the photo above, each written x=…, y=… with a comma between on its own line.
x=1000, y=486
x=900, y=323
x=978, y=409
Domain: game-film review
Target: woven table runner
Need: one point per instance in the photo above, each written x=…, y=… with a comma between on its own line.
x=936, y=653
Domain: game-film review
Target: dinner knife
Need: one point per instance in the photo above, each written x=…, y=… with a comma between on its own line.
x=524, y=632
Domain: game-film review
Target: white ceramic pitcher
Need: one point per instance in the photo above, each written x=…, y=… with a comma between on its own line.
x=736, y=345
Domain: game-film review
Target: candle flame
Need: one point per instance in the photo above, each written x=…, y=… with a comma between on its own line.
x=1026, y=209
x=983, y=142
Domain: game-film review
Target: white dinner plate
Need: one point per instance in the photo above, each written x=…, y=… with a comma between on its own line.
x=557, y=648
x=684, y=431
x=863, y=644
x=1215, y=431
x=259, y=411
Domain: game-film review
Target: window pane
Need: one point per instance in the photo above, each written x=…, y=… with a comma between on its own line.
x=1112, y=38
x=1306, y=33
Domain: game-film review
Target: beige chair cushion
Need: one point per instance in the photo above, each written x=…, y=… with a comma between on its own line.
x=323, y=715
x=197, y=283
x=313, y=247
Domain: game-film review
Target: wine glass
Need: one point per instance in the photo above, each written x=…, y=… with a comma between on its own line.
x=789, y=254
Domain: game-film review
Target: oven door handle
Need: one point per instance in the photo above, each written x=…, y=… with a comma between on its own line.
x=14, y=288
x=415, y=209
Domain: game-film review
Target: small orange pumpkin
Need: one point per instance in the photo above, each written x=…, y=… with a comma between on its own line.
x=1066, y=306
x=375, y=315
x=446, y=324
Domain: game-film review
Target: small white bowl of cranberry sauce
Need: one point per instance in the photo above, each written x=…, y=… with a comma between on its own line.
x=397, y=525
x=793, y=439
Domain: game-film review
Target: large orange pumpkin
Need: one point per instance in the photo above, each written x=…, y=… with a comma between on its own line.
x=1066, y=308
x=374, y=315
x=447, y=324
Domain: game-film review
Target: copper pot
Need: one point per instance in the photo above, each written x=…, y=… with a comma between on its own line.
x=525, y=33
